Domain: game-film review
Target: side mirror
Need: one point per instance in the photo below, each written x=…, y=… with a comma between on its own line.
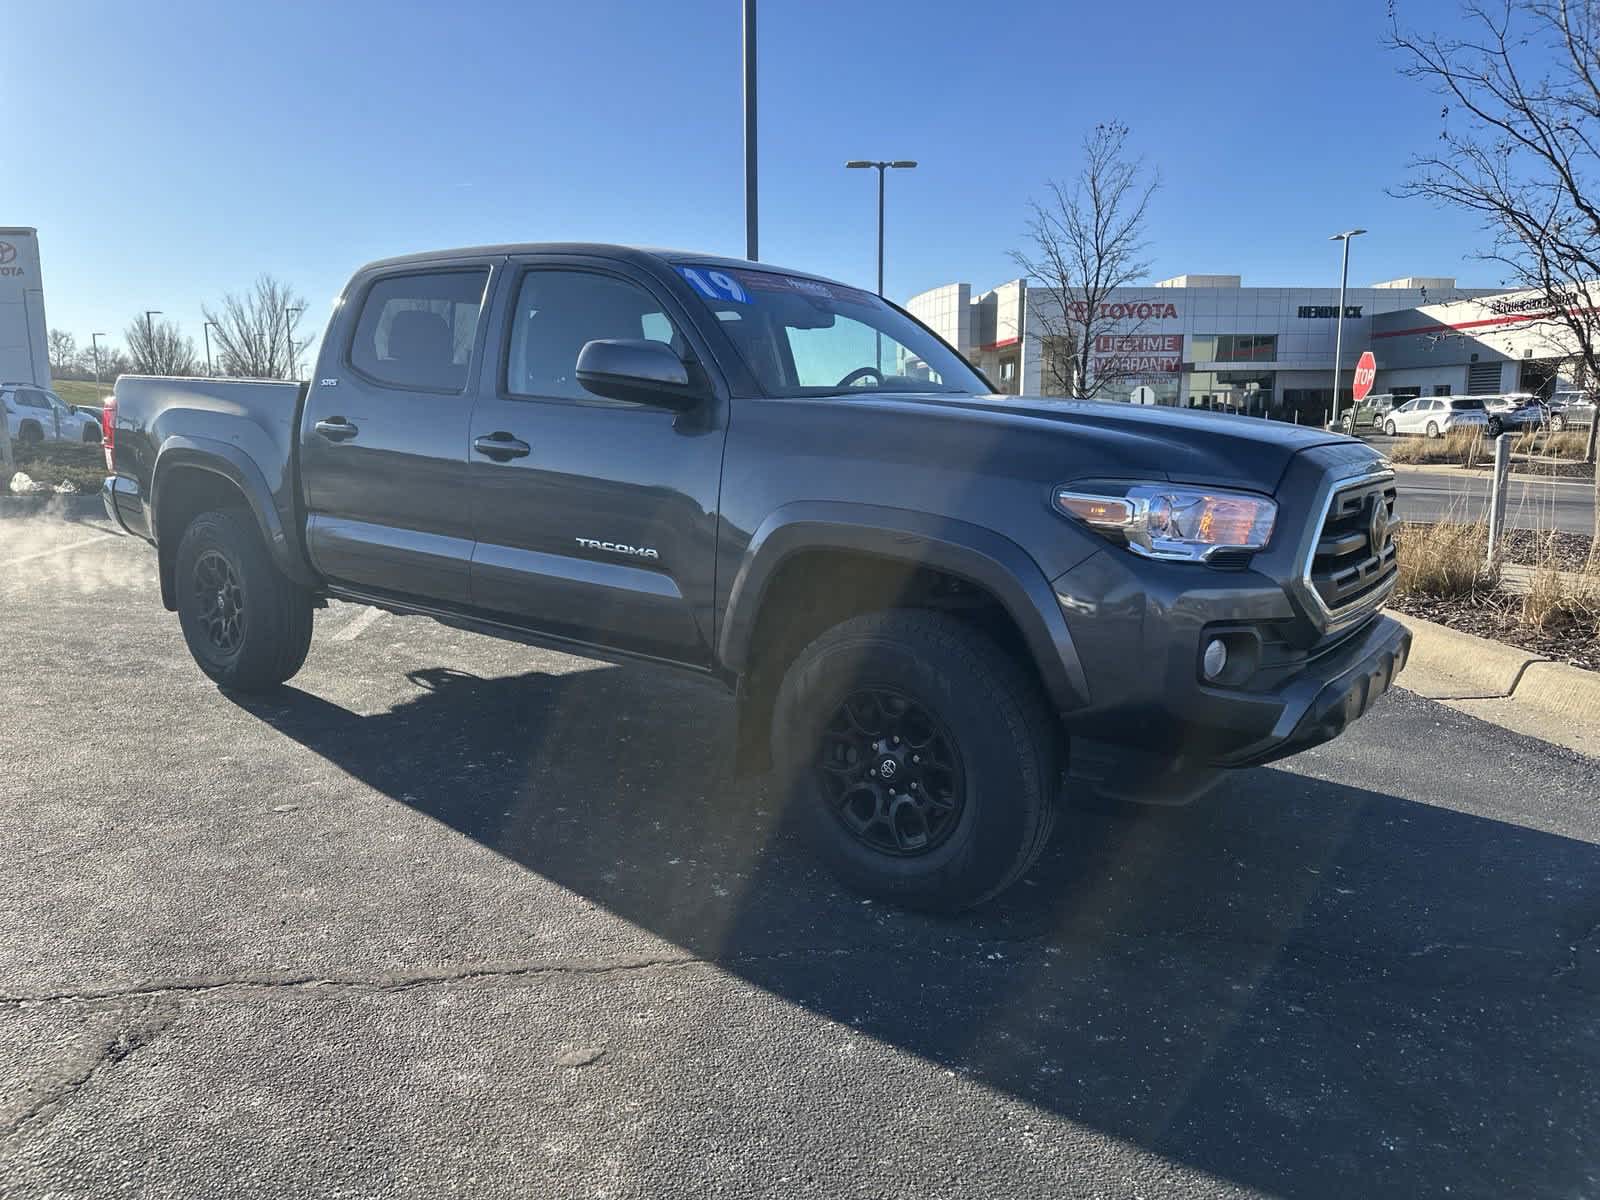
x=637, y=371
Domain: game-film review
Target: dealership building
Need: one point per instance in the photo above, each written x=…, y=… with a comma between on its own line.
x=1206, y=341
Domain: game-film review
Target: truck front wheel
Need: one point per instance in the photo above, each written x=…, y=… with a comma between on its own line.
x=919, y=758
x=248, y=625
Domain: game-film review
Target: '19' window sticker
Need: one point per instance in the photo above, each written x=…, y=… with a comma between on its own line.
x=715, y=285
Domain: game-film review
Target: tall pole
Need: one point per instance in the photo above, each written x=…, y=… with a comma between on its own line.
x=206, y=330
x=1338, y=333
x=883, y=169
x=289, y=315
x=150, y=335
x=752, y=249
x=94, y=342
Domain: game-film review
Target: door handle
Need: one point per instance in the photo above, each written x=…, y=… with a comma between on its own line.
x=501, y=446
x=336, y=429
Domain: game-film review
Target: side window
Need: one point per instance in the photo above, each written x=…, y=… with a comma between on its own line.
x=416, y=331
x=559, y=312
x=31, y=399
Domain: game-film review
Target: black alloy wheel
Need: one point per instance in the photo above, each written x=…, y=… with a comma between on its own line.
x=219, y=600
x=891, y=773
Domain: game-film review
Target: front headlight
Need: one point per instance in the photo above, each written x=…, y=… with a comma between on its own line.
x=1161, y=520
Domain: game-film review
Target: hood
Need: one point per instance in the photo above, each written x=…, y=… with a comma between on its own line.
x=1138, y=441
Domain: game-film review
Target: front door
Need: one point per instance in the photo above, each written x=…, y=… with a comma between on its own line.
x=383, y=443
x=595, y=520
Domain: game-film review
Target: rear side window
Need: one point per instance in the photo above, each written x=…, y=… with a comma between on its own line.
x=1467, y=405
x=416, y=331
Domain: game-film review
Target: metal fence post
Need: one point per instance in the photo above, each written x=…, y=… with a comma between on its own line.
x=1497, y=494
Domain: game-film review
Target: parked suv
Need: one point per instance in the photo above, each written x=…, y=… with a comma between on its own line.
x=35, y=415
x=1571, y=410
x=1436, y=416
x=937, y=607
x=1368, y=413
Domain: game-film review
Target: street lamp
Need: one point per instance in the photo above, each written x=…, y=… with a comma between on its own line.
x=289, y=315
x=751, y=238
x=1338, y=335
x=899, y=164
x=94, y=342
x=205, y=330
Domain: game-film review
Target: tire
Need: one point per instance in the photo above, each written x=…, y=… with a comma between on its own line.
x=968, y=704
x=1496, y=427
x=1558, y=423
x=1388, y=428
x=1433, y=429
x=90, y=438
x=267, y=639
x=30, y=434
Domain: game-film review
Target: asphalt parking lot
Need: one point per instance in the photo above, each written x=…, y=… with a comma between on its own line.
x=450, y=916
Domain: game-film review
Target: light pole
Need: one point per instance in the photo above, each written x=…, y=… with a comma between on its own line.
x=751, y=240
x=289, y=315
x=94, y=342
x=205, y=330
x=1338, y=334
x=898, y=164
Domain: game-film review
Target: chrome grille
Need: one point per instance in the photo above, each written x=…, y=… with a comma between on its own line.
x=1349, y=572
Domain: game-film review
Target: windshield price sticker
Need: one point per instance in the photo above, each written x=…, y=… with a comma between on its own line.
x=715, y=285
x=767, y=281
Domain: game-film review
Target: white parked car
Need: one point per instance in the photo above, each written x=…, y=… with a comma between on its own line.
x=1436, y=416
x=35, y=415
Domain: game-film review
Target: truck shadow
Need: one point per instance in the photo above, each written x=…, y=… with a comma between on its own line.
x=1297, y=986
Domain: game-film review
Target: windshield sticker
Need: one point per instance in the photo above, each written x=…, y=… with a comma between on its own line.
x=715, y=285
x=768, y=281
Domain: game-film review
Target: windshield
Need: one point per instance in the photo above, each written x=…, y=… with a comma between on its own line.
x=803, y=337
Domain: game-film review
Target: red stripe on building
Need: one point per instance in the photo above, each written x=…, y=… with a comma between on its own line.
x=1508, y=319
x=1000, y=345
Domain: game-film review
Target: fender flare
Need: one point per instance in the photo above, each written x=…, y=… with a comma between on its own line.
x=972, y=552
x=234, y=465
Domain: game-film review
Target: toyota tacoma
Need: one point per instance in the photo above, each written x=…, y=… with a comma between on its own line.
x=941, y=610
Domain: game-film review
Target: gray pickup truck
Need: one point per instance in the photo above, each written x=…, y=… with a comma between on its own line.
x=941, y=609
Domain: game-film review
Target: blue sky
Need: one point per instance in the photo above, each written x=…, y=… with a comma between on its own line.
x=169, y=152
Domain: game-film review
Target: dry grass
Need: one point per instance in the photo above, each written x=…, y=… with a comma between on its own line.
x=1446, y=559
x=1465, y=446
x=1559, y=599
x=1571, y=443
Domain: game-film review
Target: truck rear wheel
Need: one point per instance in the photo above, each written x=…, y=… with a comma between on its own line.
x=918, y=757
x=248, y=625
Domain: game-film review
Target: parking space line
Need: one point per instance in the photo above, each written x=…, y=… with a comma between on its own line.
x=357, y=625
x=15, y=562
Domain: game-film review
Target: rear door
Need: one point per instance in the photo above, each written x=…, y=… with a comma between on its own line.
x=383, y=442
x=595, y=519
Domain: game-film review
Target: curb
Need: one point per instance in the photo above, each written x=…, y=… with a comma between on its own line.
x=1484, y=473
x=1505, y=685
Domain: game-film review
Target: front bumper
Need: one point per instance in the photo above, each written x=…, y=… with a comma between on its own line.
x=1318, y=705
x=1139, y=628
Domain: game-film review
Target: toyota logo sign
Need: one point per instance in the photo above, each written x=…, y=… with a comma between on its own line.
x=8, y=253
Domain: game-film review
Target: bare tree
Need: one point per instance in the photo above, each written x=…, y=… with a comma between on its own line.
x=157, y=348
x=63, y=352
x=257, y=333
x=1520, y=148
x=1086, y=239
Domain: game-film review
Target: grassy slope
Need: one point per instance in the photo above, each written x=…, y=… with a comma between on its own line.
x=79, y=391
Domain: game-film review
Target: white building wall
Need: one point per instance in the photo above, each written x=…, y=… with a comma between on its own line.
x=1451, y=375
x=24, y=352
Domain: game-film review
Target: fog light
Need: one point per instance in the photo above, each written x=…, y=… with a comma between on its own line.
x=1216, y=659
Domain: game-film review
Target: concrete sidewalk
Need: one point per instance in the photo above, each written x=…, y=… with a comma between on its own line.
x=1509, y=686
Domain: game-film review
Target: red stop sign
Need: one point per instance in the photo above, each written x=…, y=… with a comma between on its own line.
x=1366, y=372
